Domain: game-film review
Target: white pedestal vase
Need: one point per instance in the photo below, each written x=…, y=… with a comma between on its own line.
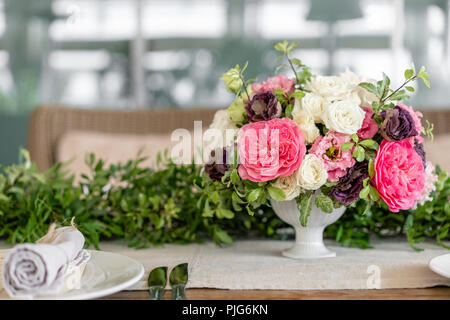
x=308, y=240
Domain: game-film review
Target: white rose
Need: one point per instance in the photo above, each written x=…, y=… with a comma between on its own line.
x=289, y=186
x=221, y=133
x=350, y=77
x=311, y=175
x=366, y=97
x=312, y=103
x=305, y=121
x=329, y=87
x=344, y=117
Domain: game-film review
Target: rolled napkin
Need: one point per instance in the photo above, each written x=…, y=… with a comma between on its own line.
x=52, y=265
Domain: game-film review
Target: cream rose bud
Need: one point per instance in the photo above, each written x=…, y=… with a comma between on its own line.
x=312, y=103
x=344, y=117
x=221, y=133
x=329, y=87
x=311, y=175
x=289, y=186
x=366, y=98
x=305, y=121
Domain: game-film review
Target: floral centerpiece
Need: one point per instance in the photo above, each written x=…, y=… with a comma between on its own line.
x=312, y=145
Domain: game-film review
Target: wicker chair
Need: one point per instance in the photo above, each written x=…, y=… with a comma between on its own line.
x=49, y=123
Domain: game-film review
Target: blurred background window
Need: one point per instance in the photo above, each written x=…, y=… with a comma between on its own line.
x=130, y=54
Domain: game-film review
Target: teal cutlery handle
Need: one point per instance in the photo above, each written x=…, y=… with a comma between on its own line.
x=178, y=292
x=156, y=293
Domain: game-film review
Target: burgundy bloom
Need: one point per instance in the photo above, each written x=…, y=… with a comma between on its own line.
x=218, y=164
x=263, y=106
x=420, y=151
x=349, y=186
x=398, y=124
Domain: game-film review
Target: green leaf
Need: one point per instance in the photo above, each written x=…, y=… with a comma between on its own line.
x=373, y=194
x=359, y=153
x=304, y=205
x=281, y=46
x=288, y=111
x=298, y=94
x=254, y=194
x=234, y=176
x=366, y=181
x=409, y=73
x=369, y=87
x=324, y=203
x=347, y=146
x=292, y=46
x=214, y=197
x=371, y=168
x=228, y=214
x=276, y=193
x=355, y=137
x=281, y=66
x=297, y=62
x=409, y=88
x=364, y=192
x=236, y=198
x=372, y=144
x=222, y=236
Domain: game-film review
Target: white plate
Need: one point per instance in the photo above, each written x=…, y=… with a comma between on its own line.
x=441, y=265
x=105, y=273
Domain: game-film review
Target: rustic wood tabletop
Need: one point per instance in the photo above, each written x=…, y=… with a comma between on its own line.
x=437, y=293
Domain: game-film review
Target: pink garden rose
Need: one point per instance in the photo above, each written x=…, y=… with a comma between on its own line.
x=270, y=149
x=369, y=127
x=399, y=174
x=274, y=83
x=335, y=161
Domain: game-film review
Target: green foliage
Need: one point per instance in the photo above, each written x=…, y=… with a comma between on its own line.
x=176, y=205
x=429, y=221
x=302, y=72
x=144, y=207
x=324, y=203
x=304, y=204
x=381, y=89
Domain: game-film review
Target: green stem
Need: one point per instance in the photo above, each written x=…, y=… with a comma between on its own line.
x=399, y=88
x=292, y=67
x=245, y=87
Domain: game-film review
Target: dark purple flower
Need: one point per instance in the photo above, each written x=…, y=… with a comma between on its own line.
x=420, y=151
x=218, y=164
x=349, y=186
x=263, y=106
x=398, y=124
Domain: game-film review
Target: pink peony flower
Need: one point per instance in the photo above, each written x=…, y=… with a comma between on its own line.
x=274, y=83
x=270, y=149
x=369, y=127
x=430, y=179
x=399, y=174
x=417, y=117
x=335, y=161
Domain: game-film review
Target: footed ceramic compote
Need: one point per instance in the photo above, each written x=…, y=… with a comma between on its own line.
x=308, y=240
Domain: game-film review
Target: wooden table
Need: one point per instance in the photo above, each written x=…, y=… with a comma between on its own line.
x=438, y=293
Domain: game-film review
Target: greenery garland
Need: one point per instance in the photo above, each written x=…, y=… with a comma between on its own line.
x=170, y=204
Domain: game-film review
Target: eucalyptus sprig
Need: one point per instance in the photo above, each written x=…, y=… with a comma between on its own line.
x=286, y=49
x=381, y=89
